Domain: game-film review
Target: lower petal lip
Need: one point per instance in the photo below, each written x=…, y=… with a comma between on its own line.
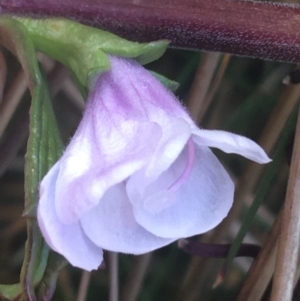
x=201, y=203
x=111, y=225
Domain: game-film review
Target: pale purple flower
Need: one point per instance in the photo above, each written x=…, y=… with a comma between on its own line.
x=138, y=173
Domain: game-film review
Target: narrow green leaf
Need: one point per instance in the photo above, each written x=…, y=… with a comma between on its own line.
x=11, y=292
x=47, y=285
x=43, y=149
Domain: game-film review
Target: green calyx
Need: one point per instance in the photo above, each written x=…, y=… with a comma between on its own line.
x=84, y=49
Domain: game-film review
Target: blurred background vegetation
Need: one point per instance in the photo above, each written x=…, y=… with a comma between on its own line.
x=240, y=95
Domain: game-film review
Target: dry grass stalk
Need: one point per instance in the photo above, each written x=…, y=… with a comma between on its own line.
x=12, y=140
x=65, y=285
x=3, y=73
x=135, y=279
x=72, y=92
x=84, y=285
x=197, y=278
x=214, y=86
x=113, y=276
x=11, y=99
x=262, y=269
x=201, y=84
x=15, y=93
x=288, y=244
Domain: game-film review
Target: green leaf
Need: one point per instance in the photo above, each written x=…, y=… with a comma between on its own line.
x=47, y=285
x=11, y=292
x=43, y=149
x=169, y=84
x=84, y=49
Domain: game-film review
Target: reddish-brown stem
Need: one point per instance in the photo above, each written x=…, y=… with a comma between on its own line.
x=257, y=29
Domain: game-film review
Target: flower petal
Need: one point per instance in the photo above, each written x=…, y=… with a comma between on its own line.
x=130, y=120
x=97, y=158
x=147, y=99
x=231, y=143
x=112, y=226
x=68, y=240
x=200, y=204
x=175, y=136
x=139, y=94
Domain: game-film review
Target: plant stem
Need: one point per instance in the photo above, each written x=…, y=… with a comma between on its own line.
x=288, y=245
x=257, y=29
x=113, y=276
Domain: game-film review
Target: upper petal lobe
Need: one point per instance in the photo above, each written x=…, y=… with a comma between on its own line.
x=130, y=121
x=231, y=143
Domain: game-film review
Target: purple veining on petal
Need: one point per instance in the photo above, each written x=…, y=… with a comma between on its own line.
x=137, y=174
x=188, y=167
x=156, y=202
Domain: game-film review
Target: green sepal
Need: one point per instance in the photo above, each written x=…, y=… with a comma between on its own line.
x=168, y=83
x=12, y=292
x=43, y=149
x=47, y=285
x=84, y=49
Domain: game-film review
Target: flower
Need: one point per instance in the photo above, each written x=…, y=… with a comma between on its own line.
x=138, y=173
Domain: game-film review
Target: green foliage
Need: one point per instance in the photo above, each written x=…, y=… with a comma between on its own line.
x=84, y=49
x=43, y=149
x=169, y=84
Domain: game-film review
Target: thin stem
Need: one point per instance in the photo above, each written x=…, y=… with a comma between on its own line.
x=216, y=250
x=215, y=85
x=262, y=268
x=65, y=285
x=113, y=277
x=197, y=277
x=288, y=246
x=84, y=285
x=296, y=286
x=3, y=73
x=74, y=95
x=59, y=80
x=136, y=277
x=201, y=84
x=13, y=140
x=12, y=99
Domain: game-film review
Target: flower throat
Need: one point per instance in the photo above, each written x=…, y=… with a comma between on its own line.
x=160, y=200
